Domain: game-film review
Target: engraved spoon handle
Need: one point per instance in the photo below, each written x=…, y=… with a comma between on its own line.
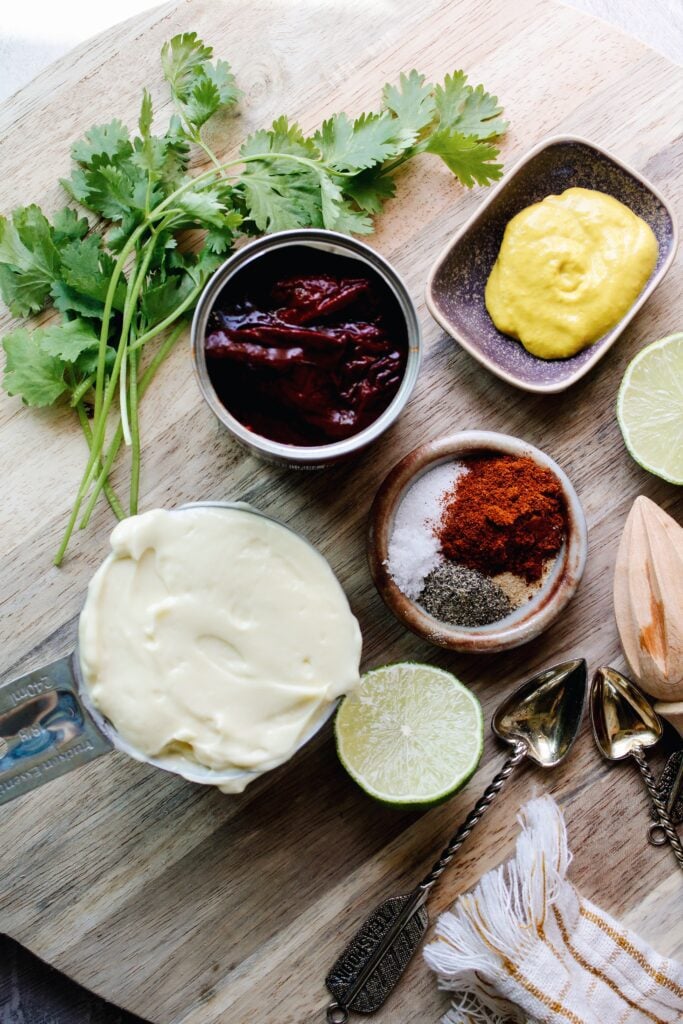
x=475, y=815
x=664, y=817
x=656, y=835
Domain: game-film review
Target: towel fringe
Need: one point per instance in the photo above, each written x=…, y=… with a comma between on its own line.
x=501, y=919
x=467, y=1009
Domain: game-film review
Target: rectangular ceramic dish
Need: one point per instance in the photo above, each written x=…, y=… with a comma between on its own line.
x=455, y=287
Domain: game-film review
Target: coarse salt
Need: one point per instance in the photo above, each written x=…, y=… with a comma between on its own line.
x=414, y=549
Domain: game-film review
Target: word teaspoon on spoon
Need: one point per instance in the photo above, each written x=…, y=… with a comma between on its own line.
x=540, y=720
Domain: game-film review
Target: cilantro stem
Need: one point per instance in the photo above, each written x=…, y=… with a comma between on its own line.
x=115, y=444
x=115, y=504
x=170, y=319
x=134, y=431
x=106, y=314
x=209, y=152
x=100, y=418
x=395, y=164
x=135, y=284
x=83, y=388
x=159, y=356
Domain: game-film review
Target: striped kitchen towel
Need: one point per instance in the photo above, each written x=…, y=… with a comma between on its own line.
x=525, y=947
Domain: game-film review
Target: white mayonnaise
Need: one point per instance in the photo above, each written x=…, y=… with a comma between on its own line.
x=215, y=635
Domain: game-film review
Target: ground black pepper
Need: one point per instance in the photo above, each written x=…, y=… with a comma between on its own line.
x=463, y=597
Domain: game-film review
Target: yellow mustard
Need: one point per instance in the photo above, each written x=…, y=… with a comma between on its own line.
x=568, y=269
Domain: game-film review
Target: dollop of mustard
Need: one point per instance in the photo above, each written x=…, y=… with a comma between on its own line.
x=568, y=269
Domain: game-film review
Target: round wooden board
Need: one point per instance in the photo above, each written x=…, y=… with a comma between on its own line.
x=179, y=903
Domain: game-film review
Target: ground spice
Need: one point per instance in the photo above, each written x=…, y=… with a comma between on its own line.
x=414, y=549
x=463, y=597
x=517, y=589
x=506, y=515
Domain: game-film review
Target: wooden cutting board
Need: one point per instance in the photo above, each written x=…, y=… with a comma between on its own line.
x=188, y=906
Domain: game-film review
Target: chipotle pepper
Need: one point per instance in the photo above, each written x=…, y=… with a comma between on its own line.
x=308, y=358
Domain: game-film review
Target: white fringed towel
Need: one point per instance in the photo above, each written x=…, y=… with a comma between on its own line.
x=524, y=947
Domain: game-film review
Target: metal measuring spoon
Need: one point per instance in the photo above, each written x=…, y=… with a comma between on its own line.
x=624, y=725
x=540, y=721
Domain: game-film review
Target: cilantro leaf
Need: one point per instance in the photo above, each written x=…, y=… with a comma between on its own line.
x=337, y=213
x=412, y=102
x=67, y=225
x=206, y=263
x=113, y=190
x=23, y=293
x=213, y=88
x=12, y=250
x=480, y=115
x=29, y=260
x=280, y=193
x=88, y=359
x=222, y=77
x=466, y=110
x=202, y=101
x=332, y=201
x=354, y=145
x=281, y=137
x=369, y=190
x=181, y=57
x=160, y=300
x=221, y=238
x=69, y=300
x=117, y=236
x=150, y=155
x=30, y=372
x=471, y=160
x=279, y=201
x=149, y=152
x=199, y=88
x=103, y=140
x=205, y=206
x=146, y=115
x=76, y=185
x=87, y=268
x=177, y=152
x=36, y=234
x=67, y=340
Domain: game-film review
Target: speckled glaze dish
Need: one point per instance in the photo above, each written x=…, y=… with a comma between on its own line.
x=526, y=622
x=455, y=288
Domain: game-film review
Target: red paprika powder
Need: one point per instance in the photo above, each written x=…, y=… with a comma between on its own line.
x=506, y=514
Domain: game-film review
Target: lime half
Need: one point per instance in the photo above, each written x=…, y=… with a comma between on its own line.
x=650, y=408
x=410, y=734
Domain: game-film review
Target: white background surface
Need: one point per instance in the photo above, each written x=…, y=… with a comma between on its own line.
x=35, y=32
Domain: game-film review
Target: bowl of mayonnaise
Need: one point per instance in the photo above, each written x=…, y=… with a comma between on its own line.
x=214, y=642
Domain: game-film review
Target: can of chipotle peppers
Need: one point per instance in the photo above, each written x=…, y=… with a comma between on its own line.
x=306, y=345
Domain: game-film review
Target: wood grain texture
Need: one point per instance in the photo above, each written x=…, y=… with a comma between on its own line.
x=181, y=904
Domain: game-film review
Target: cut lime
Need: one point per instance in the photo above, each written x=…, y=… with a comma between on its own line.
x=410, y=734
x=650, y=408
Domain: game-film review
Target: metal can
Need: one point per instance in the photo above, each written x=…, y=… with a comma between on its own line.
x=312, y=456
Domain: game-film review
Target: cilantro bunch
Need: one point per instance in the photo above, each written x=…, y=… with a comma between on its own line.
x=124, y=284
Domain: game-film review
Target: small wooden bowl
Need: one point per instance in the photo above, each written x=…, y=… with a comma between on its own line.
x=524, y=623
